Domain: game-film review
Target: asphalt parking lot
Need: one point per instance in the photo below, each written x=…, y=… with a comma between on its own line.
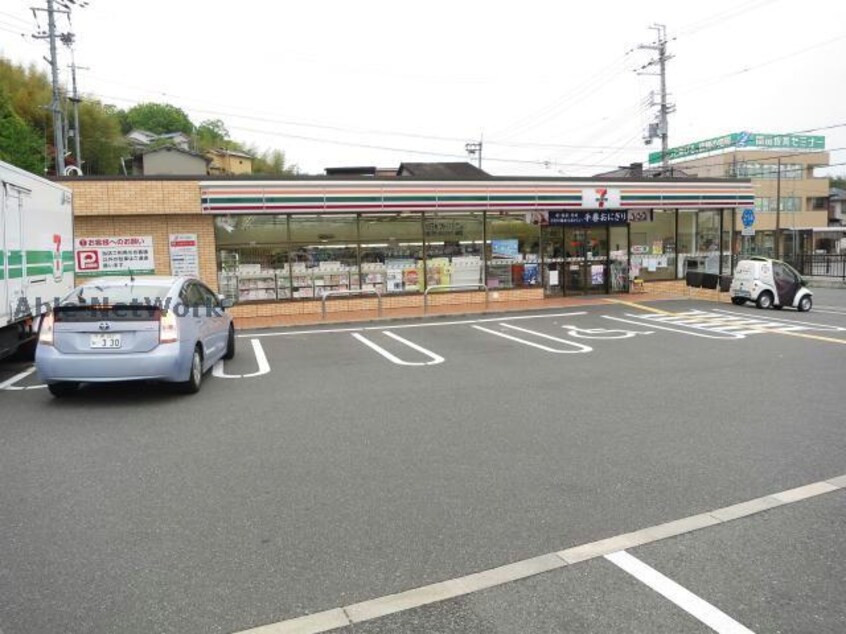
x=326, y=467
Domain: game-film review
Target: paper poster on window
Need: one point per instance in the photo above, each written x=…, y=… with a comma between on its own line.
x=114, y=255
x=597, y=274
x=657, y=247
x=411, y=279
x=553, y=278
x=530, y=275
x=652, y=264
x=506, y=249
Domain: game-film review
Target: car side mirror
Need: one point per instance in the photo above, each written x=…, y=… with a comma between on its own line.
x=226, y=302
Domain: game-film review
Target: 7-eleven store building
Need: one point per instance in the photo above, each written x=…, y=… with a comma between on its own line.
x=277, y=247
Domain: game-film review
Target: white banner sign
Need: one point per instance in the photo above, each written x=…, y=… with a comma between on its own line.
x=184, y=255
x=114, y=255
x=747, y=231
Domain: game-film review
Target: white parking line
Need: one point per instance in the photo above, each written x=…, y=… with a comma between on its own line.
x=435, y=358
x=580, y=347
x=728, y=335
x=9, y=384
x=460, y=586
x=433, y=324
x=697, y=607
x=791, y=322
x=261, y=360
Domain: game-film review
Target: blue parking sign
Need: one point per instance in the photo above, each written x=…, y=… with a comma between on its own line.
x=748, y=217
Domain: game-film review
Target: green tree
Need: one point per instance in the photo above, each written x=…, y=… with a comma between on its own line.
x=19, y=144
x=839, y=181
x=212, y=134
x=159, y=118
x=102, y=140
x=271, y=163
x=30, y=92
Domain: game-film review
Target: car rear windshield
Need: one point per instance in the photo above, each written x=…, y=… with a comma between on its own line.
x=125, y=294
x=117, y=312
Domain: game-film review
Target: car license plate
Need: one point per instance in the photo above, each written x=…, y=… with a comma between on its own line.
x=107, y=342
x=742, y=293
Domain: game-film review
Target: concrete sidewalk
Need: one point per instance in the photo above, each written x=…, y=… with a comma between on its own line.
x=653, y=292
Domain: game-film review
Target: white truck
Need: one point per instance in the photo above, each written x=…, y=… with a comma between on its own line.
x=36, y=253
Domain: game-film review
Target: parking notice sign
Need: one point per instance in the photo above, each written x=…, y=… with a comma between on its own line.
x=184, y=258
x=114, y=255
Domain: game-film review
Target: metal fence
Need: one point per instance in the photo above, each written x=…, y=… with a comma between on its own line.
x=811, y=265
x=820, y=265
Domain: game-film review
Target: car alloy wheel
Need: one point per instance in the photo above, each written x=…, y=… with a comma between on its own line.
x=195, y=376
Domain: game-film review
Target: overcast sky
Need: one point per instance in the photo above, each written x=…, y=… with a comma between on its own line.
x=549, y=86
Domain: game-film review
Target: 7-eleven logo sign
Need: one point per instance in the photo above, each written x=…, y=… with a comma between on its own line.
x=600, y=198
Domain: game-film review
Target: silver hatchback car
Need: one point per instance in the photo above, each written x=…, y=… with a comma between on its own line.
x=169, y=329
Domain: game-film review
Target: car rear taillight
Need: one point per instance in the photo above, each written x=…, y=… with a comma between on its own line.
x=45, y=333
x=168, y=331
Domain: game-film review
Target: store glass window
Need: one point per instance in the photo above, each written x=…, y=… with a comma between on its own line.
x=653, y=246
x=708, y=240
x=324, y=254
x=512, y=254
x=727, y=239
x=392, y=252
x=252, y=256
x=619, y=259
x=686, y=239
x=454, y=248
x=552, y=256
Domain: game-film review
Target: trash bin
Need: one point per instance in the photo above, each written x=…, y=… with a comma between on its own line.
x=693, y=279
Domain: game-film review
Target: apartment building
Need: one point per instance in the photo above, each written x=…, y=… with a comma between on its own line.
x=782, y=168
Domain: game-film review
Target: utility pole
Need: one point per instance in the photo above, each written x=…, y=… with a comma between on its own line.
x=661, y=127
x=475, y=148
x=75, y=100
x=778, y=211
x=55, y=103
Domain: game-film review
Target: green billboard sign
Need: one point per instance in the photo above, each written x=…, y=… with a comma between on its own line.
x=743, y=140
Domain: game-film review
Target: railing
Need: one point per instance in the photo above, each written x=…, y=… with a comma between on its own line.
x=455, y=287
x=367, y=291
x=820, y=265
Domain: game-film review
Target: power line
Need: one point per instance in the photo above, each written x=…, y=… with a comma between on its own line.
x=412, y=151
x=346, y=130
x=540, y=162
x=720, y=17
x=15, y=17
x=349, y=130
x=567, y=100
x=714, y=80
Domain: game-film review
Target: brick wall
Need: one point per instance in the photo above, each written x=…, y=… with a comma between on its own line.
x=134, y=197
x=160, y=228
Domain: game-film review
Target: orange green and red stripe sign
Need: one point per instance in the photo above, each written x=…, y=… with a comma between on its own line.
x=322, y=196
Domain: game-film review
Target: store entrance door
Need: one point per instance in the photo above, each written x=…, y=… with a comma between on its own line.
x=585, y=260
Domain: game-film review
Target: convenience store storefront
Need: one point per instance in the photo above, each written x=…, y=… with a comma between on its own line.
x=282, y=241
